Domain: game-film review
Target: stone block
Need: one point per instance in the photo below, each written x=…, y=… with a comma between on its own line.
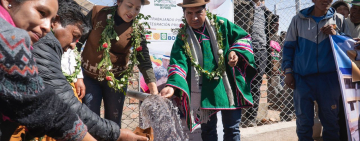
x=263, y=110
x=263, y=100
x=263, y=94
x=264, y=82
x=263, y=88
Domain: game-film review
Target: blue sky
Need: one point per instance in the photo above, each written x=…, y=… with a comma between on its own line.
x=103, y=2
x=286, y=10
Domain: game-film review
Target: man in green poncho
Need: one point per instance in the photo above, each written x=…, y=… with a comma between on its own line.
x=211, y=69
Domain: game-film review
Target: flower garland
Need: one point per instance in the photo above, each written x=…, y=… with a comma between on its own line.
x=221, y=65
x=109, y=34
x=71, y=78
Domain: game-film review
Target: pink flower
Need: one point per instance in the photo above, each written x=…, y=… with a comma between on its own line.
x=139, y=48
x=182, y=25
x=105, y=45
x=108, y=78
x=183, y=36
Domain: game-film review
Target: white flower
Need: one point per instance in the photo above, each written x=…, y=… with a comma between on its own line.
x=216, y=77
x=109, y=16
x=221, y=21
x=220, y=51
x=111, y=83
x=212, y=22
x=109, y=68
x=74, y=80
x=121, y=85
x=129, y=62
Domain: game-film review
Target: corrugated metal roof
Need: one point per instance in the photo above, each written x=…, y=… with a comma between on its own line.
x=86, y=5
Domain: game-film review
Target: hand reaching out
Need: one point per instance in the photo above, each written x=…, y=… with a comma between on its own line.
x=128, y=135
x=80, y=88
x=167, y=92
x=233, y=59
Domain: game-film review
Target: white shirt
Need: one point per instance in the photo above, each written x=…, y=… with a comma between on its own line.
x=355, y=31
x=68, y=63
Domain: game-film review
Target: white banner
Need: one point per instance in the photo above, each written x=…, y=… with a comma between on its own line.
x=348, y=70
x=166, y=15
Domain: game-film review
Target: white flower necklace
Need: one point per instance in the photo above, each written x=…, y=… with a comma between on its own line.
x=221, y=65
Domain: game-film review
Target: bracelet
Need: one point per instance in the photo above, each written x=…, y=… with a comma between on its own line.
x=288, y=70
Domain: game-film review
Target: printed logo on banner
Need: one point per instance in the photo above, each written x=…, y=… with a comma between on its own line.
x=171, y=37
x=156, y=36
x=163, y=36
x=148, y=36
x=165, y=4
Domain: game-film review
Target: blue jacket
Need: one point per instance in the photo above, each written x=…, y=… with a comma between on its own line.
x=306, y=49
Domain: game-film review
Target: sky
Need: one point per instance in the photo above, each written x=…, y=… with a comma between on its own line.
x=286, y=10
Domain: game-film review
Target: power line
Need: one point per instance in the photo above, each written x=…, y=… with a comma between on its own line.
x=292, y=6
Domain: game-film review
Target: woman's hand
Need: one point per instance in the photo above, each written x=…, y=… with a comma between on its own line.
x=153, y=88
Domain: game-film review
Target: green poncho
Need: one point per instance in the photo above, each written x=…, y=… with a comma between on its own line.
x=213, y=94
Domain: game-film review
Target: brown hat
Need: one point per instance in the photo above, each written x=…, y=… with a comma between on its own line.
x=146, y=2
x=193, y=3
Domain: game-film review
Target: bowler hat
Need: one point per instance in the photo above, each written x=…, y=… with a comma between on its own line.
x=146, y=2
x=354, y=2
x=193, y=3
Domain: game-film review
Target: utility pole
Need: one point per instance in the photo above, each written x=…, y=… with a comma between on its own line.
x=298, y=6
